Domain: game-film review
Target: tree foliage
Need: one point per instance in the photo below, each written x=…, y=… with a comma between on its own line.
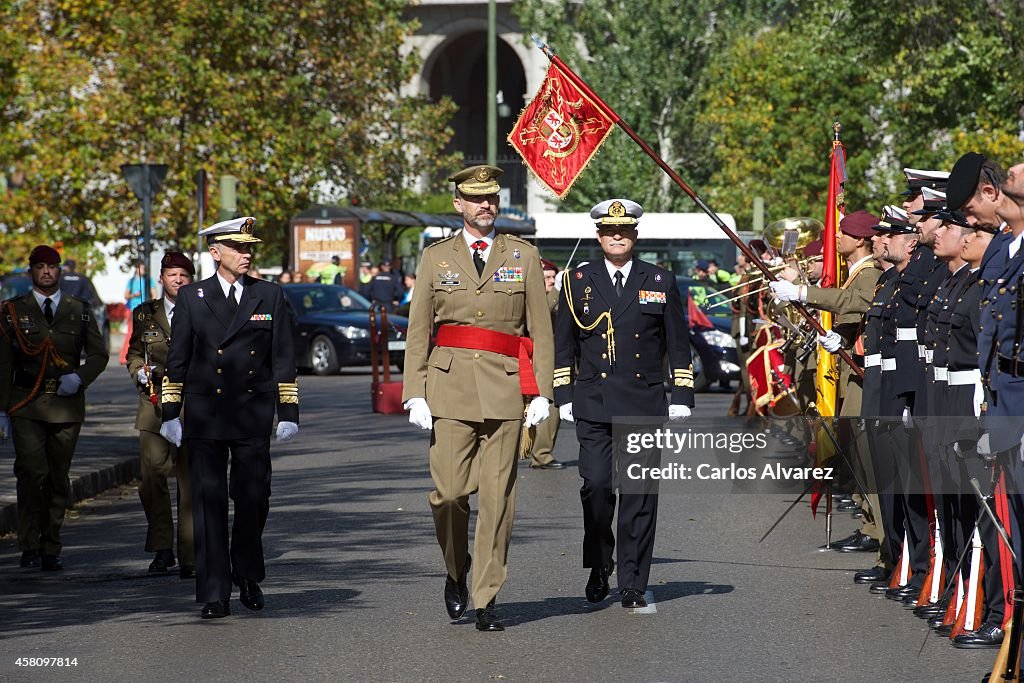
x=300, y=101
x=740, y=97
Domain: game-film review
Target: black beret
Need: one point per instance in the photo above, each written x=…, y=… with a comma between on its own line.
x=44, y=254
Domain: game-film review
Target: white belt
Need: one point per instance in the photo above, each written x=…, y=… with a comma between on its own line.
x=921, y=351
x=872, y=360
x=906, y=334
x=928, y=355
x=941, y=374
x=966, y=377
x=888, y=364
x=960, y=377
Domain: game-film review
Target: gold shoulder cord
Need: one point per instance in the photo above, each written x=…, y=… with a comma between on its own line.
x=606, y=315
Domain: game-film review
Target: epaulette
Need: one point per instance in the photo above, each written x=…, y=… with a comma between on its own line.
x=517, y=238
x=443, y=240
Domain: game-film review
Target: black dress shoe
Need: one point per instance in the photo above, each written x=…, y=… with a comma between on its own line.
x=847, y=505
x=911, y=601
x=487, y=619
x=945, y=630
x=835, y=545
x=936, y=621
x=633, y=598
x=187, y=571
x=163, y=561
x=597, y=585
x=871, y=575
x=215, y=610
x=456, y=591
x=988, y=636
x=29, y=558
x=930, y=611
x=901, y=592
x=553, y=465
x=863, y=544
x=50, y=563
x=879, y=587
x=250, y=594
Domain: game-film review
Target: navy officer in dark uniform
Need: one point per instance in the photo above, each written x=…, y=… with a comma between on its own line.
x=230, y=367
x=617, y=320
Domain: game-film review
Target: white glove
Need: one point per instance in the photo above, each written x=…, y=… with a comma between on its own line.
x=908, y=421
x=983, y=445
x=537, y=411
x=69, y=384
x=678, y=412
x=5, y=426
x=785, y=291
x=171, y=430
x=419, y=413
x=830, y=341
x=142, y=376
x=286, y=431
x=565, y=412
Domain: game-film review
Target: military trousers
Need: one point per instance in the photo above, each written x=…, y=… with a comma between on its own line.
x=42, y=460
x=638, y=511
x=159, y=459
x=544, y=441
x=467, y=458
x=218, y=561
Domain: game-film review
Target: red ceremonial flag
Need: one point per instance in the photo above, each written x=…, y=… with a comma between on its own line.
x=560, y=131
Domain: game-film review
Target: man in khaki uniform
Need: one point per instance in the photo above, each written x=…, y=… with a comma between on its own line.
x=43, y=336
x=547, y=431
x=484, y=294
x=147, y=356
x=849, y=303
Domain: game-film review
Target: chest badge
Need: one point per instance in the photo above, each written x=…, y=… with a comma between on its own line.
x=515, y=253
x=448, y=278
x=200, y=293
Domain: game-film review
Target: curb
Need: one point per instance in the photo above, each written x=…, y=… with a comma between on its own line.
x=83, y=486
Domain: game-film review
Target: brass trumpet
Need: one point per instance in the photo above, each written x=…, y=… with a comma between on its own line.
x=790, y=235
x=802, y=263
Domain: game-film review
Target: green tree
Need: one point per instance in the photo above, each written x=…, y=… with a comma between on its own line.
x=648, y=60
x=300, y=101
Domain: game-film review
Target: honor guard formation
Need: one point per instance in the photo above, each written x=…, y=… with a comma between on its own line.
x=499, y=351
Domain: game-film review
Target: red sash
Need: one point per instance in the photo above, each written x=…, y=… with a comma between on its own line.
x=469, y=337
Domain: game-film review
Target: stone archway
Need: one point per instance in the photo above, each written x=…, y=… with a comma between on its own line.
x=458, y=70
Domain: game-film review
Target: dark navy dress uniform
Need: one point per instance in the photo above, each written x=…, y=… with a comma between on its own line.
x=647, y=324
x=232, y=372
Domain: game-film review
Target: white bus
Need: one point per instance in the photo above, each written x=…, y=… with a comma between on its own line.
x=674, y=240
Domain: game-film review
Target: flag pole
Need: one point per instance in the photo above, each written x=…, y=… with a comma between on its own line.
x=747, y=251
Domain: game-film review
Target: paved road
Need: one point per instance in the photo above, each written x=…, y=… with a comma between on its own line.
x=355, y=578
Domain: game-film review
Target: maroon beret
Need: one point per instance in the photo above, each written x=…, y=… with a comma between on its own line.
x=175, y=259
x=44, y=254
x=859, y=224
x=812, y=248
x=545, y=264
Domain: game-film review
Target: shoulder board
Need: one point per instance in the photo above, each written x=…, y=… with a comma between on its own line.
x=517, y=238
x=441, y=241
x=79, y=299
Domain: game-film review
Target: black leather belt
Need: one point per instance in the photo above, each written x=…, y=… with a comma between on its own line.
x=24, y=380
x=1011, y=366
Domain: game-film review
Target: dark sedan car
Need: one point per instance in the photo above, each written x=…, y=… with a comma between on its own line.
x=715, y=358
x=332, y=328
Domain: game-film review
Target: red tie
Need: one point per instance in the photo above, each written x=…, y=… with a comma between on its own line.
x=479, y=245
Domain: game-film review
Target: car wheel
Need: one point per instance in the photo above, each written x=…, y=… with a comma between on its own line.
x=323, y=357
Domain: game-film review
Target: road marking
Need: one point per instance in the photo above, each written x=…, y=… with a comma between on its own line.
x=651, y=607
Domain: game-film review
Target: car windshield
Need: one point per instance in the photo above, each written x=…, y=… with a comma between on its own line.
x=325, y=299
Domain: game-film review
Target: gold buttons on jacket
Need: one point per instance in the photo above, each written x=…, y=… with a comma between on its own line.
x=220, y=371
x=252, y=353
x=252, y=372
x=638, y=375
x=636, y=336
x=220, y=352
x=479, y=314
x=604, y=356
x=219, y=390
x=604, y=375
x=604, y=336
x=478, y=292
x=637, y=355
x=476, y=355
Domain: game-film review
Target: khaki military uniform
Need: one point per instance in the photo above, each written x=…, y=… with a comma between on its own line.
x=475, y=395
x=849, y=303
x=33, y=356
x=547, y=431
x=150, y=339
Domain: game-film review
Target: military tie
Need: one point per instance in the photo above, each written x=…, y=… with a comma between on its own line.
x=478, y=259
x=48, y=309
x=618, y=283
x=232, y=301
